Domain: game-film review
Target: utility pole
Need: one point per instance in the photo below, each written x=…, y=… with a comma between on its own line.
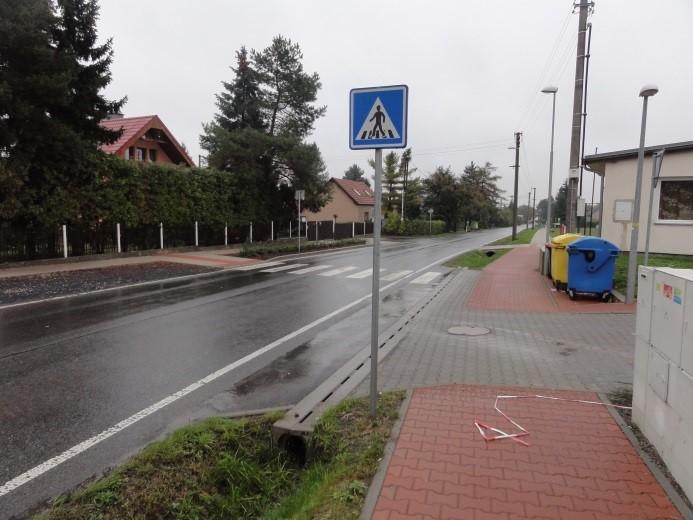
x=529, y=203
x=534, y=207
x=575, y=141
x=517, y=173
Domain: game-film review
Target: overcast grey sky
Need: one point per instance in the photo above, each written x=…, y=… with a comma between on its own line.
x=474, y=70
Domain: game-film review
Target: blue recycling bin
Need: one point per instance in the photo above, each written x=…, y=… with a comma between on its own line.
x=591, y=264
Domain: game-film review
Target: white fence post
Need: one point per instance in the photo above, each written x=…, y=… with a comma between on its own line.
x=317, y=222
x=64, y=241
x=196, y=236
x=226, y=234
x=161, y=235
x=364, y=226
x=353, y=229
x=289, y=228
x=272, y=231
x=118, y=238
x=251, y=232
x=334, y=223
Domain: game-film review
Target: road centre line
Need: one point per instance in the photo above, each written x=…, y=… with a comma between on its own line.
x=83, y=446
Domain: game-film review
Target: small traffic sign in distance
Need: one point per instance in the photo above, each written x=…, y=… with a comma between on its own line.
x=378, y=117
x=300, y=195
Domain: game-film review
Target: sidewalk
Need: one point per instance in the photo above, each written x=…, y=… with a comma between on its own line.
x=578, y=465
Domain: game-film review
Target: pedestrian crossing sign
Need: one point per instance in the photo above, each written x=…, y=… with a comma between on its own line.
x=378, y=117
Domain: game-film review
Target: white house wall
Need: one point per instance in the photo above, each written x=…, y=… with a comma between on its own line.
x=674, y=238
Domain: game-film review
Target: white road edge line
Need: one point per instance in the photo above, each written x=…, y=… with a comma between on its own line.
x=83, y=446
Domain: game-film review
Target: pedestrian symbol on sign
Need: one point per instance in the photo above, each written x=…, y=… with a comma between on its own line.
x=378, y=124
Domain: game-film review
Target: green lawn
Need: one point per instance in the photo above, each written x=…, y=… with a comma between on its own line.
x=230, y=468
x=656, y=260
x=476, y=259
x=523, y=237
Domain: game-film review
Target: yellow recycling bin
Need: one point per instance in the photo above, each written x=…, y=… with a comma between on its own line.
x=559, y=258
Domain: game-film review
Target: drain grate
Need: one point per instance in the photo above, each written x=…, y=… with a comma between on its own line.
x=468, y=330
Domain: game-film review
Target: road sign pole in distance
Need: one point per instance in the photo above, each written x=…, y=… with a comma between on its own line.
x=299, y=196
x=377, y=120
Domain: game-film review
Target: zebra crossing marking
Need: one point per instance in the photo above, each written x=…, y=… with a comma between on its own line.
x=339, y=270
x=310, y=269
x=395, y=276
x=282, y=268
x=363, y=274
x=256, y=266
x=426, y=278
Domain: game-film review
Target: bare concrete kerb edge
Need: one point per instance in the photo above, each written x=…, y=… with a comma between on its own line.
x=379, y=478
x=299, y=421
x=663, y=481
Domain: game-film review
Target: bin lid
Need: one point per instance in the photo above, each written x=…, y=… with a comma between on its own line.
x=591, y=244
x=561, y=241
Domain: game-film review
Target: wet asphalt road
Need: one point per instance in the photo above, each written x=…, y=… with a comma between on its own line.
x=73, y=368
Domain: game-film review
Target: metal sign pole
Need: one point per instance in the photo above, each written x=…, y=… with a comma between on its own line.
x=375, y=294
x=656, y=167
x=299, y=225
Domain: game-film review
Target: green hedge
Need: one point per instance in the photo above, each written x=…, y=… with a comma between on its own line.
x=285, y=247
x=394, y=226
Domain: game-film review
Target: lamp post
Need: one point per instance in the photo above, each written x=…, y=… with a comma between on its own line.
x=645, y=92
x=552, y=91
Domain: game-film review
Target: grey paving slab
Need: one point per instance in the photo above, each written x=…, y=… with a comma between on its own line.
x=558, y=350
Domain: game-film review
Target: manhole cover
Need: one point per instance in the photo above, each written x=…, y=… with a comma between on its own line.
x=468, y=330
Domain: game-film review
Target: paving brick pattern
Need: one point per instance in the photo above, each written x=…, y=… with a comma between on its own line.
x=513, y=283
x=578, y=464
x=557, y=350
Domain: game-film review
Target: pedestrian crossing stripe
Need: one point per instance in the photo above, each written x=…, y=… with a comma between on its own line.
x=339, y=270
x=378, y=124
x=395, y=276
x=426, y=278
x=363, y=274
x=310, y=269
x=282, y=268
x=252, y=267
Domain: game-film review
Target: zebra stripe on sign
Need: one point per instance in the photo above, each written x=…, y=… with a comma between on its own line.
x=426, y=278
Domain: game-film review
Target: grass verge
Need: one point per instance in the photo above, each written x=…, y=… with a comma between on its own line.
x=476, y=259
x=655, y=260
x=523, y=237
x=230, y=468
x=274, y=248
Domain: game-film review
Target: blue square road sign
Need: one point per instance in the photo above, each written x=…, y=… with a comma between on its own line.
x=378, y=117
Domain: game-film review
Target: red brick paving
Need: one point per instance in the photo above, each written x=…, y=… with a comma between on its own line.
x=514, y=283
x=578, y=465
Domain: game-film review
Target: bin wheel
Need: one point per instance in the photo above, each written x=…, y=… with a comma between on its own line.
x=571, y=294
x=606, y=297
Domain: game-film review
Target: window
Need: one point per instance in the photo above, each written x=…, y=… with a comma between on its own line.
x=140, y=154
x=152, y=155
x=130, y=153
x=676, y=200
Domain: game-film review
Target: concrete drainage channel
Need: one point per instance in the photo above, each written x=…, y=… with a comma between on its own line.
x=290, y=433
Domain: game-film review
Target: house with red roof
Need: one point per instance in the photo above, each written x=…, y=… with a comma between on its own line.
x=352, y=201
x=145, y=138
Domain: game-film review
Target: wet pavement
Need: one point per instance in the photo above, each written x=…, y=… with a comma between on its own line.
x=73, y=368
x=18, y=289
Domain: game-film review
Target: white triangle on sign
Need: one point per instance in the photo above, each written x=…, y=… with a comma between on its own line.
x=378, y=124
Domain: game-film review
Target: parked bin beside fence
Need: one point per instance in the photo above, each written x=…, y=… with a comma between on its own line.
x=591, y=264
x=559, y=258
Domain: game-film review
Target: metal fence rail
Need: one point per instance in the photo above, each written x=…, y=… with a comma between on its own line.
x=19, y=243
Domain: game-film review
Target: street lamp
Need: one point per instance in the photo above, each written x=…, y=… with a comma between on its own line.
x=645, y=92
x=552, y=91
